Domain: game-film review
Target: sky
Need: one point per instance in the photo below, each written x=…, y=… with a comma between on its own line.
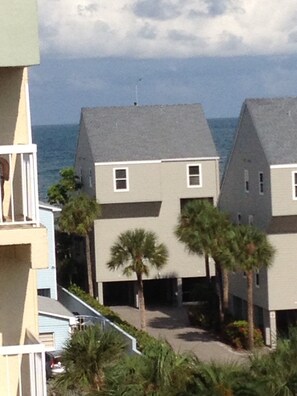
x=117, y=52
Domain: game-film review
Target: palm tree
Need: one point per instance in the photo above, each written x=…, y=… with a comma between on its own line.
x=205, y=230
x=158, y=371
x=228, y=379
x=77, y=217
x=135, y=251
x=86, y=356
x=251, y=251
x=276, y=373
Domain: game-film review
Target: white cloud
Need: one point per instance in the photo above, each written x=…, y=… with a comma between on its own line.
x=167, y=28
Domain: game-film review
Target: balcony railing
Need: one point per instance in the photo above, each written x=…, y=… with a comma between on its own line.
x=22, y=369
x=19, y=194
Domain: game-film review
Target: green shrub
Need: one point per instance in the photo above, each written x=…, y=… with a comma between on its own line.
x=204, y=315
x=142, y=338
x=236, y=334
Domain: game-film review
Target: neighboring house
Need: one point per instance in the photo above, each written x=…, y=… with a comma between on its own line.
x=23, y=241
x=143, y=164
x=47, y=278
x=260, y=187
x=55, y=321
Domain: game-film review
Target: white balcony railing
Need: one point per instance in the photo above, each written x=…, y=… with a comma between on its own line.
x=22, y=369
x=19, y=196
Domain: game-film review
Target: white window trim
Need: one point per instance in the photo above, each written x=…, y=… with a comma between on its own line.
x=261, y=183
x=188, y=176
x=246, y=181
x=294, y=185
x=115, y=189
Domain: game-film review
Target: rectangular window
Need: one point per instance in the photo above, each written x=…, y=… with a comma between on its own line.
x=251, y=219
x=238, y=218
x=261, y=183
x=246, y=181
x=257, y=278
x=294, y=184
x=194, y=175
x=90, y=178
x=120, y=176
x=44, y=292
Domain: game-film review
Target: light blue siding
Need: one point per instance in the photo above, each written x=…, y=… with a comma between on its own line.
x=47, y=277
x=58, y=326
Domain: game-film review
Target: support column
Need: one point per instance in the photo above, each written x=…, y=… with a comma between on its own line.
x=179, y=291
x=136, y=300
x=273, y=330
x=100, y=292
x=270, y=328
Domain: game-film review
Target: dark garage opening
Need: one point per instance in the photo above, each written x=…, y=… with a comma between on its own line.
x=118, y=293
x=194, y=289
x=159, y=292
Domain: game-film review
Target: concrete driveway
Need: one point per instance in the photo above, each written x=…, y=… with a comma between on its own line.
x=171, y=323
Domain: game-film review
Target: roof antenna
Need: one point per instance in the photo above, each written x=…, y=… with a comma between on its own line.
x=136, y=92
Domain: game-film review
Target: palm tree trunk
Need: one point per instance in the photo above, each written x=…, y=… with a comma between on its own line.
x=250, y=310
x=225, y=290
x=219, y=291
x=207, y=270
x=89, y=266
x=141, y=302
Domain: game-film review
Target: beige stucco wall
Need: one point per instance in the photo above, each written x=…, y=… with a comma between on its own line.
x=156, y=182
x=18, y=33
x=165, y=182
x=277, y=290
x=14, y=117
x=283, y=203
x=18, y=294
x=282, y=276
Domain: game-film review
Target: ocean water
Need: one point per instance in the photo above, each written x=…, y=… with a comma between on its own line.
x=56, y=146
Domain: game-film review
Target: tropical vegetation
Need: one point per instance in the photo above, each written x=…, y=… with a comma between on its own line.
x=77, y=217
x=97, y=364
x=79, y=211
x=136, y=252
x=207, y=231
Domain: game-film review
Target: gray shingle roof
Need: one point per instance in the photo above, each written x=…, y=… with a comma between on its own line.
x=139, y=133
x=275, y=121
x=50, y=306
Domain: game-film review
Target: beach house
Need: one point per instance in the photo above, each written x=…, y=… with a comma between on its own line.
x=23, y=241
x=143, y=164
x=260, y=188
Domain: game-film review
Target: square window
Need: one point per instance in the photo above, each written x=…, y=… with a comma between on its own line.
x=194, y=175
x=121, y=179
x=251, y=219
